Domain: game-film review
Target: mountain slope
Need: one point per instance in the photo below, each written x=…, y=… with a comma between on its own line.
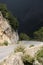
x=6, y=31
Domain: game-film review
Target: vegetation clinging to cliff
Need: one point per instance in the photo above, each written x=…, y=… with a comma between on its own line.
x=12, y=20
x=39, y=55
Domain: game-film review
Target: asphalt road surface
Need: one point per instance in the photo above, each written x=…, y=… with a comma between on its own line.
x=5, y=51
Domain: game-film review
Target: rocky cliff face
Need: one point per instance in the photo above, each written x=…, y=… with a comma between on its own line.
x=14, y=59
x=6, y=33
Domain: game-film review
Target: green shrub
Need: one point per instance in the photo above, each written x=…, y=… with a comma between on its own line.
x=31, y=45
x=5, y=43
x=28, y=58
x=24, y=36
x=19, y=48
x=38, y=35
x=39, y=55
x=27, y=63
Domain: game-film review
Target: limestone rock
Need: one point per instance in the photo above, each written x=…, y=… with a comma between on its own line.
x=32, y=50
x=6, y=31
x=15, y=59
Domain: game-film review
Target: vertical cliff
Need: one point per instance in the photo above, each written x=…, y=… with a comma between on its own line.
x=6, y=31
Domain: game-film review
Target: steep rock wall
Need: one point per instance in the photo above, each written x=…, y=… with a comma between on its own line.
x=6, y=31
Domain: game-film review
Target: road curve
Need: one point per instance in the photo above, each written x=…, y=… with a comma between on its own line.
x=31, y=42
x=6, y=50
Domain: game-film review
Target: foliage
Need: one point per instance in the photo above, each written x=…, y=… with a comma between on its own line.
x=19, y=48
x=3, y=9
x=27, y=59
x=12, y=20
x=5, y=43
x=24, y=36
x=39, y=55
x=38, y=35
x=27, y=63
x=31, y=45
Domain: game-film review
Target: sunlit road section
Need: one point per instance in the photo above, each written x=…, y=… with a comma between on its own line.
x=5, y=51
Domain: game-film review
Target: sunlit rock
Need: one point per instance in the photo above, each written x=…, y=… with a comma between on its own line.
x=15, y=59
x=32, y=50
x=6, y=33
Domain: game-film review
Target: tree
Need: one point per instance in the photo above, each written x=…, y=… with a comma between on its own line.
x=24, y=36
x=38, y=35
x=6, y=14
x=3, y=9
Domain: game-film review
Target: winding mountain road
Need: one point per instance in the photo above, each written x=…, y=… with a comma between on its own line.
x=27, y=43
x=6, y=50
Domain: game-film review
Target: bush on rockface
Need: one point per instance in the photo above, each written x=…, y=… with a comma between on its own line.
x=5, y=43
x=39, y=55
x=12, y=21
x=27, y=59
x=19, y=48
x=31, y=45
